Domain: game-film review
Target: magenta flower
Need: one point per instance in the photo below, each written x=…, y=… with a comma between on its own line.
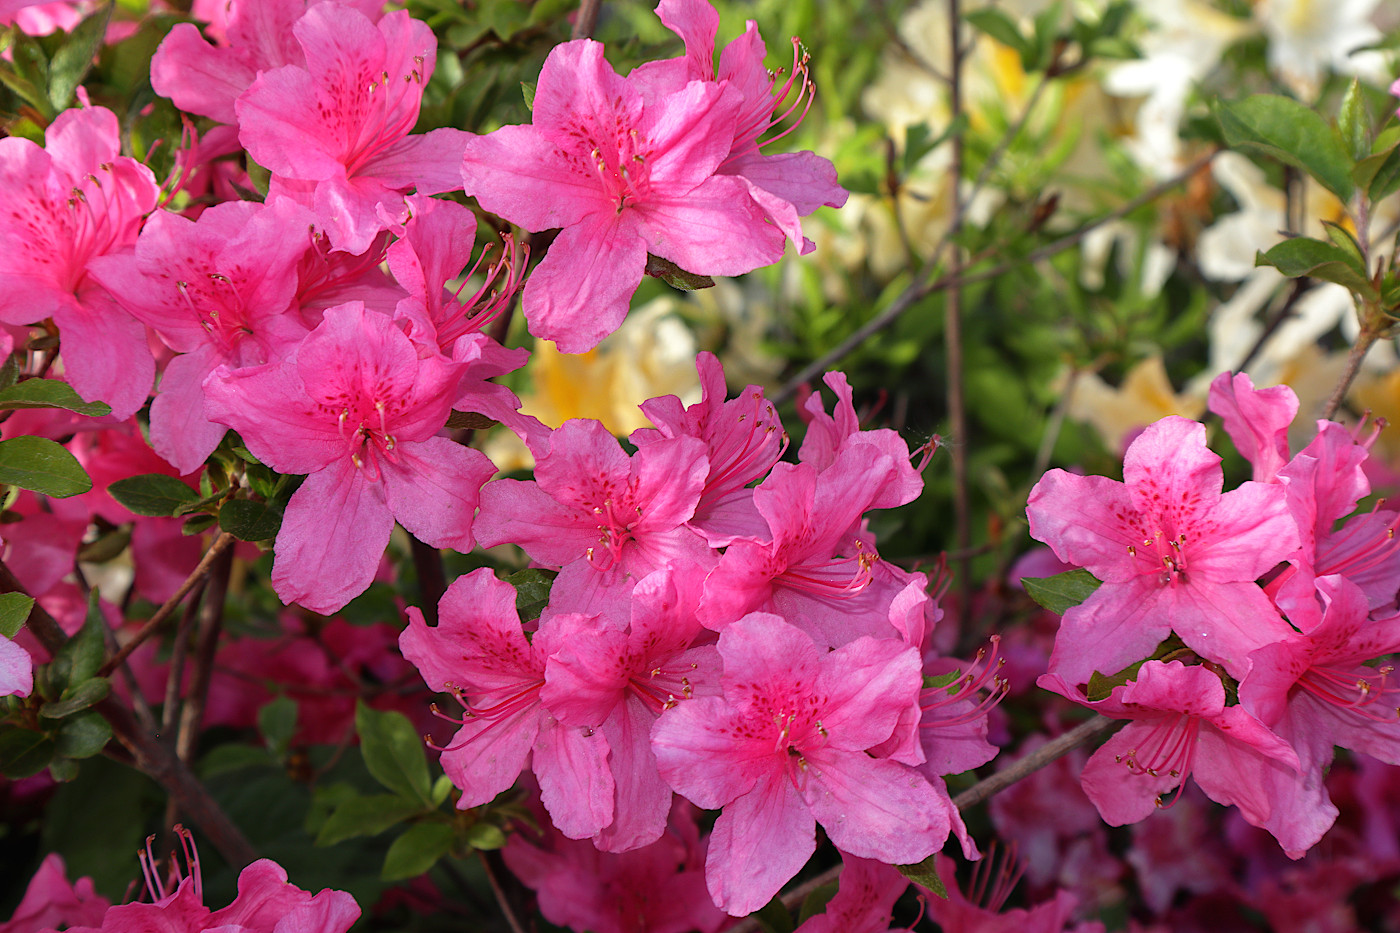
x=1180, y=728
x=605, y=518
x=1174, y=554
x=358, y=411
x=1316, y=691
x=66, y=204
x=479, y=653
x=219, y=291
x=335, y=133
x=623, y=176
x=52, y=901
x=786, y=746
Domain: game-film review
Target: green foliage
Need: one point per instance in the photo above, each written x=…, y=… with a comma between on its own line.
x=925, y=874
x=14, y=611
x=1284, y=129
x=393, y=752
x=43, y=466
x=1062, y=591
x=153, y=494
x=49, y=393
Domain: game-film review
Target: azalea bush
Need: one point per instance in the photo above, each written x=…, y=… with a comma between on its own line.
x=517, y=466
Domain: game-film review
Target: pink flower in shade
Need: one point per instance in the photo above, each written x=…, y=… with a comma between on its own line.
x=786, y=747
x=1174, y=554
x=66, y=204
x=219, y=291
x=744, y=438
x=619, y=678
x=605, y=518
x=788, y=185
x=1180, y=728
x=659, y=888
x=623, y=176
x=863, y=901
x=1257, y=420
x=266, y=903
x=16, y=672
x=51, y=901
x=357, y=410
x=255, y=36
x=335, y=133
x=479, y=653
x=960, y=912
x=326, y=278
x=1315, y=691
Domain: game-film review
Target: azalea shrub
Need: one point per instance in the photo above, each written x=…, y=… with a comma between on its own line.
x=793, y=467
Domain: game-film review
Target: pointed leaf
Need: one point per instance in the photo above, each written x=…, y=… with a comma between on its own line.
x=77, y=698
x=1353, y=123
x=14, y=610
x=249, y=520
x=24, y=753
x=49, y=393
x=393, y=752
x=416, y=851
x=83, y=736
x=1062, y=591
x=43, y=466
x=366, y=816
x=925, y=874
x=999, y=26
x=1301, y=256
x=155, y=495
x=1285, y=130
x=74, y=58
x=1382, y=174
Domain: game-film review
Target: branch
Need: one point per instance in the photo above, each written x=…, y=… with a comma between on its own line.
x=587, y=19
x=150, y=756
x=201, y=569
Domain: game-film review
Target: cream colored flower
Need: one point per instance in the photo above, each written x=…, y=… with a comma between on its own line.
x=1308, y=38
x=1145, y=396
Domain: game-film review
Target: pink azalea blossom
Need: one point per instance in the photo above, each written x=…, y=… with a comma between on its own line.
x=72, y=201
x=219, y=291
x=622, y=176
x=1180, y=728
x=788, y=185
x=786, y=747
x=52, y=901
x=479, y=653
x=864, y=900
x=358, y=410
x=336, y=133
x=1257, y=420
x=605, y=518
x=1173, y=552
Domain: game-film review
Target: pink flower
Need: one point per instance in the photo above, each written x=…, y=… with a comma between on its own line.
x=623, y=176
x=1174, y=554
x=786, y=747
x=66, y=204
x=51, y=901
x=335, y=133
x=357, y=410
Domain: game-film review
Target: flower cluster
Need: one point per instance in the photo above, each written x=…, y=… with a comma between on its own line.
x=743, y=646
x=1242, y=633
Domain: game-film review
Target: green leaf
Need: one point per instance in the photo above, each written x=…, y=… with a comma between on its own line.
x=1061, y=591
x=43, y=466
x=528, y=90
x=1383, y=176
x=24, y=753
x=999, y=26
x=81, y=656
x=676, y=277
x=1353, y=123
x=74, y=58
x=416, y=851
x=1342, y=239
x=942, y=681
x=366, y=816
x=63, y=770
x=77, y=698
x=49, y=393
x=531, y=592
x=488, y=837
x=815, y=902
x=1302, y=255
x=918, y=142
x=925, y=874
x=154, y=495
x=249, y=520
x=774, y=917
x=197, y=525
x=14, y=611
x=1100, y=685
x=1285, y=130
x=83, y=736
x=9, y=371
x=441, y=788
x=393, y=752
x=277, y=721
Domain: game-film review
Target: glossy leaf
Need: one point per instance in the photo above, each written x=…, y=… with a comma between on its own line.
x=41, y=465
x=1062, y=591
x=1284, y=129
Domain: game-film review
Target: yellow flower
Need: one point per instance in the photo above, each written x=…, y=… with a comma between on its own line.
x=1145, y=396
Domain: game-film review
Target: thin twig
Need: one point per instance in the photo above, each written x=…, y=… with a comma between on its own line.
x=587, y=19
x=211, y=618
x=170, y=713
x=952, y=315
x=223, y=541
x=918, y=289
x=501, y=898
x=1364, y=340
x=149, y=755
